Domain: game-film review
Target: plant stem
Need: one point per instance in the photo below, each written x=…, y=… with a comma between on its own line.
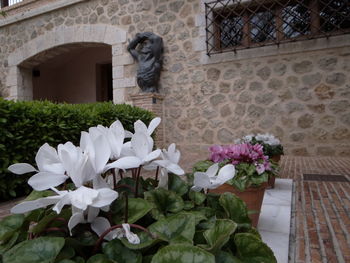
x=137, y=181
x=157, y=171
x=126, y=186
x=126, y=207
x=114, y=179
x=121, y=173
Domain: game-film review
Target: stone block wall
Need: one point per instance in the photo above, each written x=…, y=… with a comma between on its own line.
x=302, y=95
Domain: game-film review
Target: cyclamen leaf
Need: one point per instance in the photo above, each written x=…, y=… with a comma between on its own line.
x=137, y=208
x=235, y=208
x=164, y=202
x=175, y=229
x=114, y=250
x=42, y=249
x=182, y=254
x=176, y=184
x=100, y=258
x=225, y=257
x=219, y=235
x=9, y=225
x=251, y=249
x=197, y=197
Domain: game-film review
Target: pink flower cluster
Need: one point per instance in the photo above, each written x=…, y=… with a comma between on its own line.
x=241, y=153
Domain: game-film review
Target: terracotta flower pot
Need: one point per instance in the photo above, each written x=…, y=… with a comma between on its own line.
x=271, y=182
x=252, y=196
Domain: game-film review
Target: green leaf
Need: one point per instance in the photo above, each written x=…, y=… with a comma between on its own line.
x=164, y=201
x=67, y=252
x=182, y=254
x=49, y=220
x=202, y=166
x=175, y=229
x=137, y=208
x=251, y=249
x=176, y=184
x=9, y=225
x=116, y=251
x=42, y=249
x=197, y=197
x=38, y=194
x=198, y=215
x=225, y=257
x=146, y=241
x=218, y=236
x=235, y=209
x=100, y=258
x=66, y=261
x=6, y=246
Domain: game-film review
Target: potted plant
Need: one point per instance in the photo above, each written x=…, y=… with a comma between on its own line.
x=252, y=169
x=90, y=204
x=272, y=147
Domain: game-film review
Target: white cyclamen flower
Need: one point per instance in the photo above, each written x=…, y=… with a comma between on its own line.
x=171, y=158
x=140, y=147
x=139, y=126
x=115, y=136
x=96, y=146
x=101, y=224
x=80, y=199
x=209, y=179
x=50, y=169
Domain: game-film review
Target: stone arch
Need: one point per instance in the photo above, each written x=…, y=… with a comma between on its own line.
x=18, y=79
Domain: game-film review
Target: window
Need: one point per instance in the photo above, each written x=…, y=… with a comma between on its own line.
x=239, y=24
x=4, y=3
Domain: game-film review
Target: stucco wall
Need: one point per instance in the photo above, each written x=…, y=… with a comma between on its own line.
x=301, y=94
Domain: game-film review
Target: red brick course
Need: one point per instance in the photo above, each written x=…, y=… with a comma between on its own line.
x=321, y=210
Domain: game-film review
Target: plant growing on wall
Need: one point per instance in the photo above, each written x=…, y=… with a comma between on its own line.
x=91, y=204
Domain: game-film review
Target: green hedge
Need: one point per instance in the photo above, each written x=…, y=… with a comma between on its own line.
x=25, y=126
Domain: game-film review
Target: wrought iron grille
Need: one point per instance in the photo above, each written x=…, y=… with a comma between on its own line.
x=240, y=24
x=4, y=3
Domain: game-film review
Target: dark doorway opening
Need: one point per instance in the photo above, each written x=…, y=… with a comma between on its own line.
x=104, y=85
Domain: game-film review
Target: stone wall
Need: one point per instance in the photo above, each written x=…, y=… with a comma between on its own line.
x=303, y=97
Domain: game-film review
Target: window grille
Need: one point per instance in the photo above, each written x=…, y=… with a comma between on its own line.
x=5, y=3
x=240, y=24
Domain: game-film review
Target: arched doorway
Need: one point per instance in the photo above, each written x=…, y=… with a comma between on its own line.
x=73, y=73
x=70, y=50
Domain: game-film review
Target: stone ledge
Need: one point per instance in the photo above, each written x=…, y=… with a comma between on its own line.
x=275, y=218
x=274, y=50
x=38, y=11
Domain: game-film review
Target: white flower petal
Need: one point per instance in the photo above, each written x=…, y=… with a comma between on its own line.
x=32, y=205
x=102, y=153
x=44, y=180
x=83, y=197
x=140, y=144
x=98, y=182
x=21, y=168
x=131, y=237
x=171, y=167
x=105, y=197
x=100, y=225
x=152, y=155
x=212, y=170
x=226, y=173
x=163, y=179
x=153, y=125
x=47, y=160
x=124, y=163
x=74, y=220
x=201, y=180
x=64, y=200
x=128, y=134
x=92, y=213
x=139, y=126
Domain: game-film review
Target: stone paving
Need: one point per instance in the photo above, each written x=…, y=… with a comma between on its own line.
x=320, y=225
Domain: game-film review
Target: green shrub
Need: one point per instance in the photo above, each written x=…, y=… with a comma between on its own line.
x=25, y=126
